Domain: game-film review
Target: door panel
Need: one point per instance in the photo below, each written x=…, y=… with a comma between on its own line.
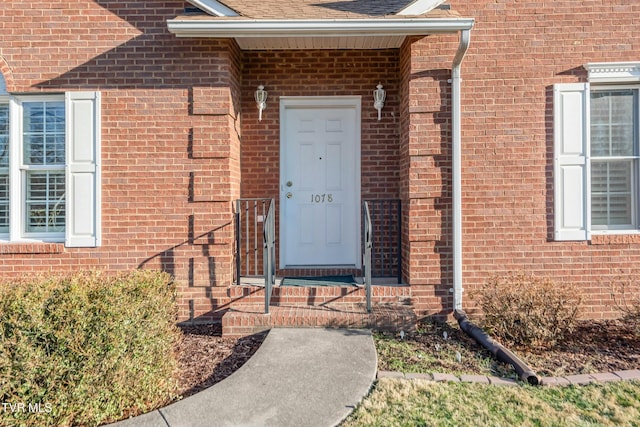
x=334, y=166
x=320, y=191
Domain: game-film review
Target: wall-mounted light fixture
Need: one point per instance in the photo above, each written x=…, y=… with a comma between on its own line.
x=378, y=99
x=261, y=100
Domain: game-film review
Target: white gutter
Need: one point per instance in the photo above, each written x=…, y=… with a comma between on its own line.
x=234, y=28
x=456, y=165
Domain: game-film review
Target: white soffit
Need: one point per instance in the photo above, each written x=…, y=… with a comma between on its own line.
x=316, y=34
x=613, y=72
x=318, y=43
x=419, y=7
x=213, y=7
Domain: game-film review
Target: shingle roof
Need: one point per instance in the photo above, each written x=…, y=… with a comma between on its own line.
x=317, y=24
x=315, y=9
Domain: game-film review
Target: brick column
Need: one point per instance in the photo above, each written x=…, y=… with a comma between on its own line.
x=214, y=186
x=425, y=170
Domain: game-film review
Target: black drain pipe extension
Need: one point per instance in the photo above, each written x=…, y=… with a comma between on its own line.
x=498, y=350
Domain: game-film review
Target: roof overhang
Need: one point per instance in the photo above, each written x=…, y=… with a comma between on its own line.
x=251, y=34
x=215, y=8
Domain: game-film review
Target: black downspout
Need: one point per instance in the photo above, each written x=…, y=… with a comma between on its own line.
x=498, y=350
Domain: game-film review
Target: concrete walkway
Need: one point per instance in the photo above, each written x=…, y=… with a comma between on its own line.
x=298, y=377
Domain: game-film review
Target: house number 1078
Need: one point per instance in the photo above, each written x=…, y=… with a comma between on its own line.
x=321, y=198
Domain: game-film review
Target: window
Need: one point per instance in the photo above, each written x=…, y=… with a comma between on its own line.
x=42, y=166
x=4, y=168
x=614, y=158
x=49, y=174
x=597, y=153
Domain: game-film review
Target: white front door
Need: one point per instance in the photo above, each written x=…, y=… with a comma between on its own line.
x=320, y=182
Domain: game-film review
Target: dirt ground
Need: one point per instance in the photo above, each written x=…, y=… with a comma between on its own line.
x=594, y=346
x=206, y=358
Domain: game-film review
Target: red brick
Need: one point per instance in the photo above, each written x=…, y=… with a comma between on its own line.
x=175, y=149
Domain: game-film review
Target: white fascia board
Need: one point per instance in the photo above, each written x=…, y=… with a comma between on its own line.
x=233, y=28
x=613, y=72
x=213, y=7
x=419, y=7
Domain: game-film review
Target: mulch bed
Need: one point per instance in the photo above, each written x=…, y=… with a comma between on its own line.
x=206, y=358
x=595, y=346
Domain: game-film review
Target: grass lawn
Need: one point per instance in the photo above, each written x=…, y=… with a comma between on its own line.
x=394, y=402
x=442, y=347
x=456, y=356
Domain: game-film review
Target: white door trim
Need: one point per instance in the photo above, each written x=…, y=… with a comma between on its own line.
x=290, y=102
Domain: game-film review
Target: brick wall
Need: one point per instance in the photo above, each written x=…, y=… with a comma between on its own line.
x=170, y=157
x=181, y=139
x=320, y=73
x=518, y=51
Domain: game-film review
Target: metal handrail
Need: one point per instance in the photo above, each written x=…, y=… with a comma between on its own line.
x=269, y=254
x=250, y=216
x=368, y=239
x=386, y=246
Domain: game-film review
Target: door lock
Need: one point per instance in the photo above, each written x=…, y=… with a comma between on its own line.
x=289, y=183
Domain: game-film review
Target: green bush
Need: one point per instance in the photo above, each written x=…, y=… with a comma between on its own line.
x=87, y=348
x=523, y=309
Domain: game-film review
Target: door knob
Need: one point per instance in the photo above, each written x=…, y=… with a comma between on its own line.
x=289, y=195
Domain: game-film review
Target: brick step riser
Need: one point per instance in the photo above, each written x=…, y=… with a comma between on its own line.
x=239, y=324
x=319, y=296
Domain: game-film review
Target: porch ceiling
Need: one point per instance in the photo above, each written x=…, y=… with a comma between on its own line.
x=361, y=33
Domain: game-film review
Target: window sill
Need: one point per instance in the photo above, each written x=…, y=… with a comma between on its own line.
x=608, y=238
x=31, y=248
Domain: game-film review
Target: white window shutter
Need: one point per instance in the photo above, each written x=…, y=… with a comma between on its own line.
x=572, y=210
x=83, y=205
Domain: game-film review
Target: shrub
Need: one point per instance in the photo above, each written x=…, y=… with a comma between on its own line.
x=625, y=292
x=527, y=310
x=87, y=348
